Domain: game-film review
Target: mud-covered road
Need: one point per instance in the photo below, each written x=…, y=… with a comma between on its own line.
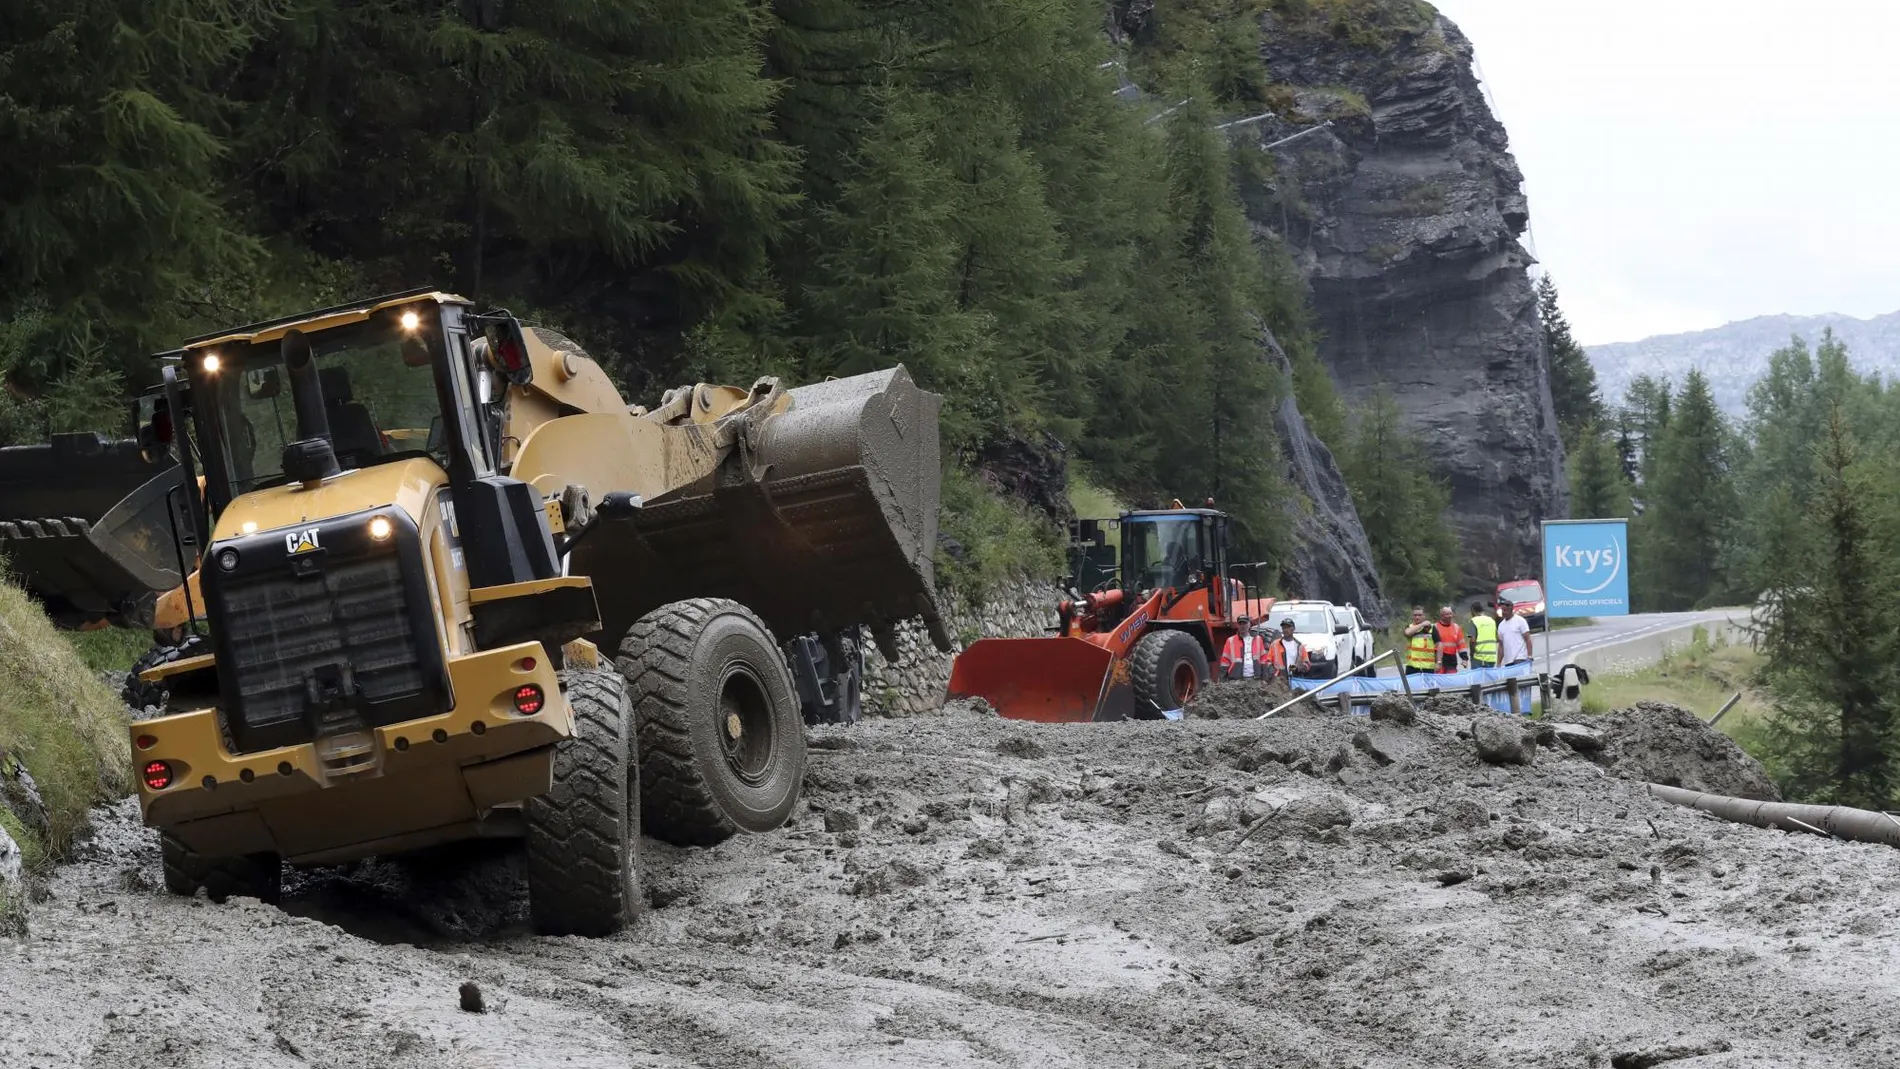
x=961, y=891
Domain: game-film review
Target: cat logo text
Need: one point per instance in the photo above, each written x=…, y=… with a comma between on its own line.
x=304, y=541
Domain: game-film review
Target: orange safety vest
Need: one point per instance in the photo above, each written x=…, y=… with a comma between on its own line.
x=1233, y=652
x=1276, y=655
x=1451, y=642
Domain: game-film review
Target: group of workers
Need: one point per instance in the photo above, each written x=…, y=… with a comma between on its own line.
x=1249, y=656
x=1498, y=637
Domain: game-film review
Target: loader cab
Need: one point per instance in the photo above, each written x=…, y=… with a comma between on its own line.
x=391, y=382
x=1179, y=549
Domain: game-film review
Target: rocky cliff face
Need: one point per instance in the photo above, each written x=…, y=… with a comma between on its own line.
x=1331, y=558
x=1405, y=216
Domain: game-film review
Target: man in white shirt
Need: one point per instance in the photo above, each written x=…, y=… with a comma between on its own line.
x=1514, y=635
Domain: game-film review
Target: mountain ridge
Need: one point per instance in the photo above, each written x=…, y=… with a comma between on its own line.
x=1735, y=354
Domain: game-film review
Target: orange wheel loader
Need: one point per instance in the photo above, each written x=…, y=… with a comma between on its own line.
x=1138, y=646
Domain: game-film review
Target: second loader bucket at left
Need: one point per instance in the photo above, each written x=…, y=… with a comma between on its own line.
x=1052, y=680
x=86, y=529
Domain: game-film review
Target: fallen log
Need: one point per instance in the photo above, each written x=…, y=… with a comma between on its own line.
x=1844, y=822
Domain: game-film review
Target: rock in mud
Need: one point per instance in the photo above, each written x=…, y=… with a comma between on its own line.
x=472, y=998
x=1396, y=708
x=1504, y=741
x=1024, y=746
x=1314, y=814
x=1584, y=740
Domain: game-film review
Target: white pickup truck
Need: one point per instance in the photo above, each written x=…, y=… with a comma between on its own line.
x=1335, y=636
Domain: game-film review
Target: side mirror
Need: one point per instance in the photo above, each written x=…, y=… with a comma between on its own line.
x=1342, y=629
x=507, y=346
x=262, y=383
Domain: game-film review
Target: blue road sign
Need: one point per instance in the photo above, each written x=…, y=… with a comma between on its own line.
x=1586, y=568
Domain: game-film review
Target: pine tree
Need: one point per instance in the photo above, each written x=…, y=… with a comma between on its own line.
x=1400, y=504
x=110, y=211
x=1573, y=380
x=1641, y=422
x=882, y=289
x=1830, y=642
x=1691, y=500
x=1597, y=486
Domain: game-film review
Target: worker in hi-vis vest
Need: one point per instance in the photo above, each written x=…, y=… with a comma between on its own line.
x=1451, y=641
x=1421, y=644
x=1287, y=654
x=1484, y=637
x=1245, y=654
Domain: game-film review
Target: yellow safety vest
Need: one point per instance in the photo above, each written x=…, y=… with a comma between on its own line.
x=1421, y=650
x=1484, y=640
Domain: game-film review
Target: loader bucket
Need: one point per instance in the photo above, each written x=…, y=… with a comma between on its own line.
x=826, y=519
x=1053, y=680
x=85, y=528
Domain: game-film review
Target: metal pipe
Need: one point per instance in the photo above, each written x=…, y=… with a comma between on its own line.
x=1845, y=822
x=1321, y=689
x=1723, y=711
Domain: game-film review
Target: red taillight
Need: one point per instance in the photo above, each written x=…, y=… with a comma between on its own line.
x=526, y=664
x=158, y=774
x=529, y=699
x=145, y=742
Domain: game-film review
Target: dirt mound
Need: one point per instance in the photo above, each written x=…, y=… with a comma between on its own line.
x=1245, y=699
x=1670, y=745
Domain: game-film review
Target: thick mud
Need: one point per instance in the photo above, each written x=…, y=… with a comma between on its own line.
x=968, y=891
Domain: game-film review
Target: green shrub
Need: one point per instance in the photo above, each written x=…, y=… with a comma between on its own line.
x=1001, y=540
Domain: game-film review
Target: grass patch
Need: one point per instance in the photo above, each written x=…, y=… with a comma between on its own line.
x=1090, y=501
x=999, y=540
x=60, y=722
x=110, y=649
x=1698, y=677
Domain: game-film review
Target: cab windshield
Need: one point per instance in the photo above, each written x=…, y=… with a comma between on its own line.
x=1306, y=621
x=379, y=394
x=1162, y=551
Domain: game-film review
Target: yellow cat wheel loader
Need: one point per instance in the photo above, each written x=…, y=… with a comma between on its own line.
x=456, y=587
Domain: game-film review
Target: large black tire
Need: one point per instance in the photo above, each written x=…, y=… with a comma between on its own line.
x=584, y=832
x=140, y=695
x=722, y=741
x=1165, y=671
x=259, y=876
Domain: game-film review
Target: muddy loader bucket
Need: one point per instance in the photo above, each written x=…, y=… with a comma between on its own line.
x=85, y=528
x=825, y=517
x=1052, y=680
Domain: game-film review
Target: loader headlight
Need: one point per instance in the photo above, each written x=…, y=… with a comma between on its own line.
x=410, y=321
x=228, y=559
x=380, y=528
x=211, y=363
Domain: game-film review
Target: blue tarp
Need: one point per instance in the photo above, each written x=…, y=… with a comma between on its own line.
x=1494, y=680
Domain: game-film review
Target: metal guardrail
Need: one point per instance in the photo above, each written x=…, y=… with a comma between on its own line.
x=1513, y=692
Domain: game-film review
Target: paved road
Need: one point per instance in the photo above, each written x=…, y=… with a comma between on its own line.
x=1628, y=641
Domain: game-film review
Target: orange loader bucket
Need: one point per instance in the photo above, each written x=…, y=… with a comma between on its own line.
x=1052, y=680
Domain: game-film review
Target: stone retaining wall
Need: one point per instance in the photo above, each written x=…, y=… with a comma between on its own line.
x=914, y=685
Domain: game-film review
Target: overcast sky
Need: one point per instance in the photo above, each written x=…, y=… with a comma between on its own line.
x=1695, y=162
